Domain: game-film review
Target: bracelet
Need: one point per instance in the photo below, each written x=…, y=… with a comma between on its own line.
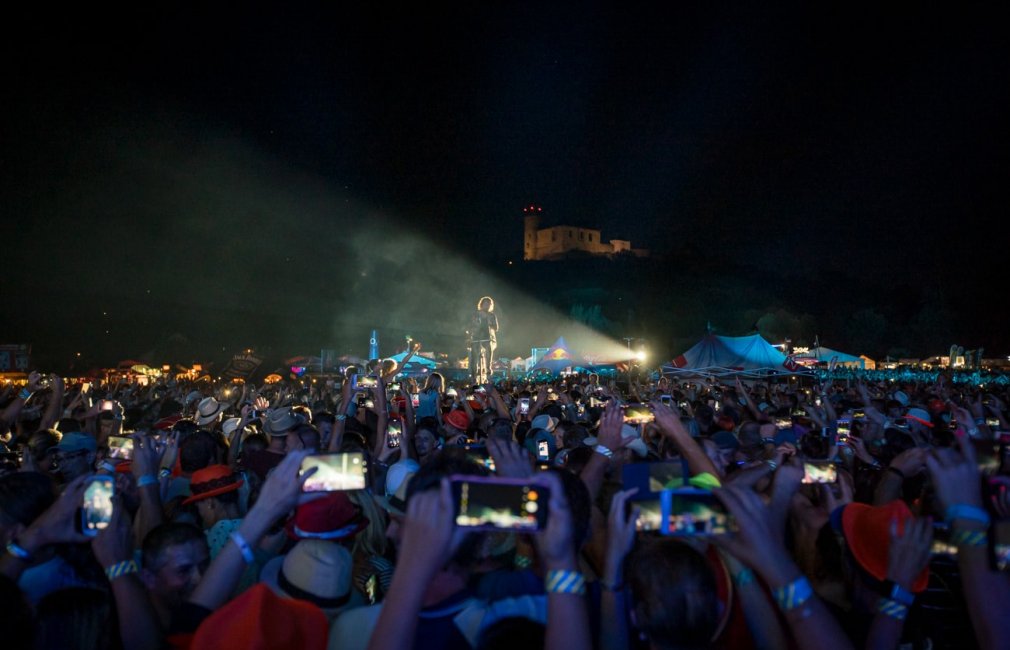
x=120, y=569
x=901, y=595
x=243, y=547
x=603, y=451
x=901, y=474
x=340, y=417
x=744, y=578
x=164, y=472
x=971, y=513
x=969, y=537
x=147, y=479
x=24, y=394
x=793, y=594
x=565, y=582
x=772, y=465
x=18, y=551
x=892, y=608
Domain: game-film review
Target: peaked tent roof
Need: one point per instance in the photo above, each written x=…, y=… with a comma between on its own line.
x=558, y=357
x=825, y=355
x=416, y=365
x=725, y=355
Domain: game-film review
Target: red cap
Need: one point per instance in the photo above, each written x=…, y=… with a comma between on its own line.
x=458, y=419
x=867, y=532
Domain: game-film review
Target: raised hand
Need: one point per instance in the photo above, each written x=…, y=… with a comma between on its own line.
x=510, y=459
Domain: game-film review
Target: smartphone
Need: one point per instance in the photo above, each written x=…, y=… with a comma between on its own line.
x=666, y=399
x=394, y=430
x=394, y=387
x=85, y=386
x=783, y=423
x=819, y=472
x=637, y=414
x=844, y=427
x=653, y=478
x=543, y=451
x=336, y=473
x=486, y=503
x=480, y=454
x=992, y=423
x=106, y=405
x=415, y=399
x=693, y=513
x=524, y=406
x=96, y=510
x=859, y=414
x=941, y=542
x=121, y=447
x=683, y=405
x=364, y=382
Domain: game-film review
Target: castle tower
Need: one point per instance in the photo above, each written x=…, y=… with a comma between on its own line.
x=531, y=224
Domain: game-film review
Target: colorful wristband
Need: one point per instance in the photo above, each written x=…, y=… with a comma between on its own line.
x=961, y=511
x=243, y=547
x=18, y=551
x=892, y=608
x=147, y=479
x=793, y=594
x=969, y=537
x=120, y=569
x=565, y=582
x=603, y=451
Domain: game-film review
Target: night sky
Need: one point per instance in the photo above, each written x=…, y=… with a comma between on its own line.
x=179, y=175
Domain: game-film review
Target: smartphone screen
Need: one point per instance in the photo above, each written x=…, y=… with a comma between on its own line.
x=693, y=513
x=121, y=447
x=819, y=472
x=337, y=472
x=783, y=423
x=415, y=399
x=96, y=510
x=650, y=514
x=480, y=454
x=543, y=450
x=992, y=423
x=499, y=503
x=106, y=405
x=394, y=430
x=524, y=405
x=666, y=399
x=395, y=387
x=844, y=427
x=364, y=382
x=638, y=414
x=653, y=478
x=859, y=414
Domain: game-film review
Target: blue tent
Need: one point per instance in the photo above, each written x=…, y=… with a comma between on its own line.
x=558, y=357
x=729, y=355
x=826, y=355
x=417, y=366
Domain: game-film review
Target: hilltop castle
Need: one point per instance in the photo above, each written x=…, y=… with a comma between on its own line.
x=556, y=242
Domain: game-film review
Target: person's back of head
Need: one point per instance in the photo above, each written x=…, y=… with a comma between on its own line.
x=674, y=595
x=42, y=442
x=23, y=497
x=78, y=617
x=68, y=425
x=197, y=451
x=500, y=429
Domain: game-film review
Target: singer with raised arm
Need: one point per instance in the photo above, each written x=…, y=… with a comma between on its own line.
x=483, y=340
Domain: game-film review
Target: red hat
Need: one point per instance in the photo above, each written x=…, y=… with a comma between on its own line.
x=332, y=517
x=164, y=424
x=867, y=531
x=458, y=419
x=212, y=481
x=259, y=619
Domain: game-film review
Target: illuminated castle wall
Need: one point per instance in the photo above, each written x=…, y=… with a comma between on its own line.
x=557, y=241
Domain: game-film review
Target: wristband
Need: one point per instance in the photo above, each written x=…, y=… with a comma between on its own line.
x=565, y=582
x=243, y=547
x=164, y=472
x=24, y=394
x=969, y=537
x=793, y=594
x=772, y=465
x=108, y=467
x=971, y=513
x=892, y=608
x=744, y=578
x=147, y=479
x=18, y=551
x=901, y=595
x=340, y=417
x=603, y=451
x=120, y=569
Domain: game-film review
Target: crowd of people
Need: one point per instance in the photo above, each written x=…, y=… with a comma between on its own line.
x=826, y=515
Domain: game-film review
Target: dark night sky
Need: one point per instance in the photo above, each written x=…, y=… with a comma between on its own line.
x=181, y=163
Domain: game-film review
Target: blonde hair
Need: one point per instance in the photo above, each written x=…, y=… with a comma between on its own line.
x=371, y=541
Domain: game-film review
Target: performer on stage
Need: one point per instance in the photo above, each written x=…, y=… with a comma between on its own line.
x=483, y=340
